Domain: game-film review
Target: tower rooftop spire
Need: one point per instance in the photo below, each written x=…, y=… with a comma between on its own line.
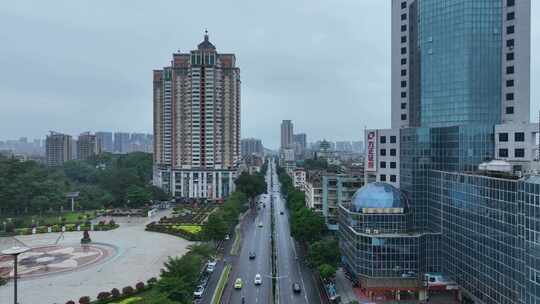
x=206, y=44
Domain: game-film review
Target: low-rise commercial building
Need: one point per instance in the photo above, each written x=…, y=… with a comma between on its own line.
x=313, y=191
x=337, y=189
x=378, y=244
x=299, y=178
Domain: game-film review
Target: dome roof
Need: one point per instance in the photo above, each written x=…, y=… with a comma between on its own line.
x=377, y=195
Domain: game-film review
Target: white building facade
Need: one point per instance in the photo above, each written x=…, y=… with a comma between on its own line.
x=516, y=142
x=382, y=156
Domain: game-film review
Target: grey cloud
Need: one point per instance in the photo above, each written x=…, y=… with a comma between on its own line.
x=87, y=65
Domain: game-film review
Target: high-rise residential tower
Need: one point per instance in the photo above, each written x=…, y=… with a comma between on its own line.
x=197, y=123
x=58, y=148
x=300, y=143
x=106, y=139
x=287, y=141
x=121, y=142
x=88, y=146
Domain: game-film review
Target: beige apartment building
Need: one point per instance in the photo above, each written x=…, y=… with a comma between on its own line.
x=88, y=146
x=58, y=148
x=197, y=123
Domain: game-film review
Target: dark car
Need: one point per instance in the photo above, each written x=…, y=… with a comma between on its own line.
x=281, y=212
x=296, y=287
x=251, y=255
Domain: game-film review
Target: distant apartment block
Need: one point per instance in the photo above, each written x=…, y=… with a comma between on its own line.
x=121, y=142
x=300, y=144
x=22, y=146
x=141, y=142
x=358, y=146
x=58, y=148
x=106, y=139
x=287, y=130
x=344, y=146
x=251, y=146
x=88, y=146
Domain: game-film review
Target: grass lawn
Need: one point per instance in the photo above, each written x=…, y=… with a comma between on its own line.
x=52, y=219
x=194, y=229
x=132, y=300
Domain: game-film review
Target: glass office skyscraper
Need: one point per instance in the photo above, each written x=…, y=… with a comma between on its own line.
x=460, y=62
x=460, y=50
x=460, y=67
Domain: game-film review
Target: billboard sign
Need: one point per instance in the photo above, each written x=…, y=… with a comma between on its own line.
x=371, y=164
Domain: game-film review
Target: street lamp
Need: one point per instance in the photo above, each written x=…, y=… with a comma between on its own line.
x=14, y=252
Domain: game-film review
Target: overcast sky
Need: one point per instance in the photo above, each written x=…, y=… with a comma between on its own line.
x=73, y=66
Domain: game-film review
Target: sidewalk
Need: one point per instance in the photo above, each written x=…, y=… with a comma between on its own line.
x=345, y=289
x=348, y=294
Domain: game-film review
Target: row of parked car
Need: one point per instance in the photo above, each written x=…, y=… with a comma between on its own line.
x=203, y=281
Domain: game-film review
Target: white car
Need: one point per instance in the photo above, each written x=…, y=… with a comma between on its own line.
x=198, y=292
x=258, y=279
x=211, y=266
x=260, y=224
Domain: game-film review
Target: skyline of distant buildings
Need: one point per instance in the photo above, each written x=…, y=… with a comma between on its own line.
x=63, y=147
x=250, y=146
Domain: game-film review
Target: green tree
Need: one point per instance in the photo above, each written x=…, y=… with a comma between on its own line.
x=306, y=226
x=251, y=184
x=324, y=252
x=326, y=271
x=159, y=194
x=179, y=277
x=93, y=197
x=203, y=250
x=137, y=196
x=80, y=171
x=29, y=187
x=176, y=289
x=215, y=227
x=40, y=202
x=155, y=296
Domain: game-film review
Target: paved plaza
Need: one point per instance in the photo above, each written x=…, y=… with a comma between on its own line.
x=59, y=269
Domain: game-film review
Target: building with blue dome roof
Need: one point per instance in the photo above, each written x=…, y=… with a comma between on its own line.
x=377, y=239
x=380, y=197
